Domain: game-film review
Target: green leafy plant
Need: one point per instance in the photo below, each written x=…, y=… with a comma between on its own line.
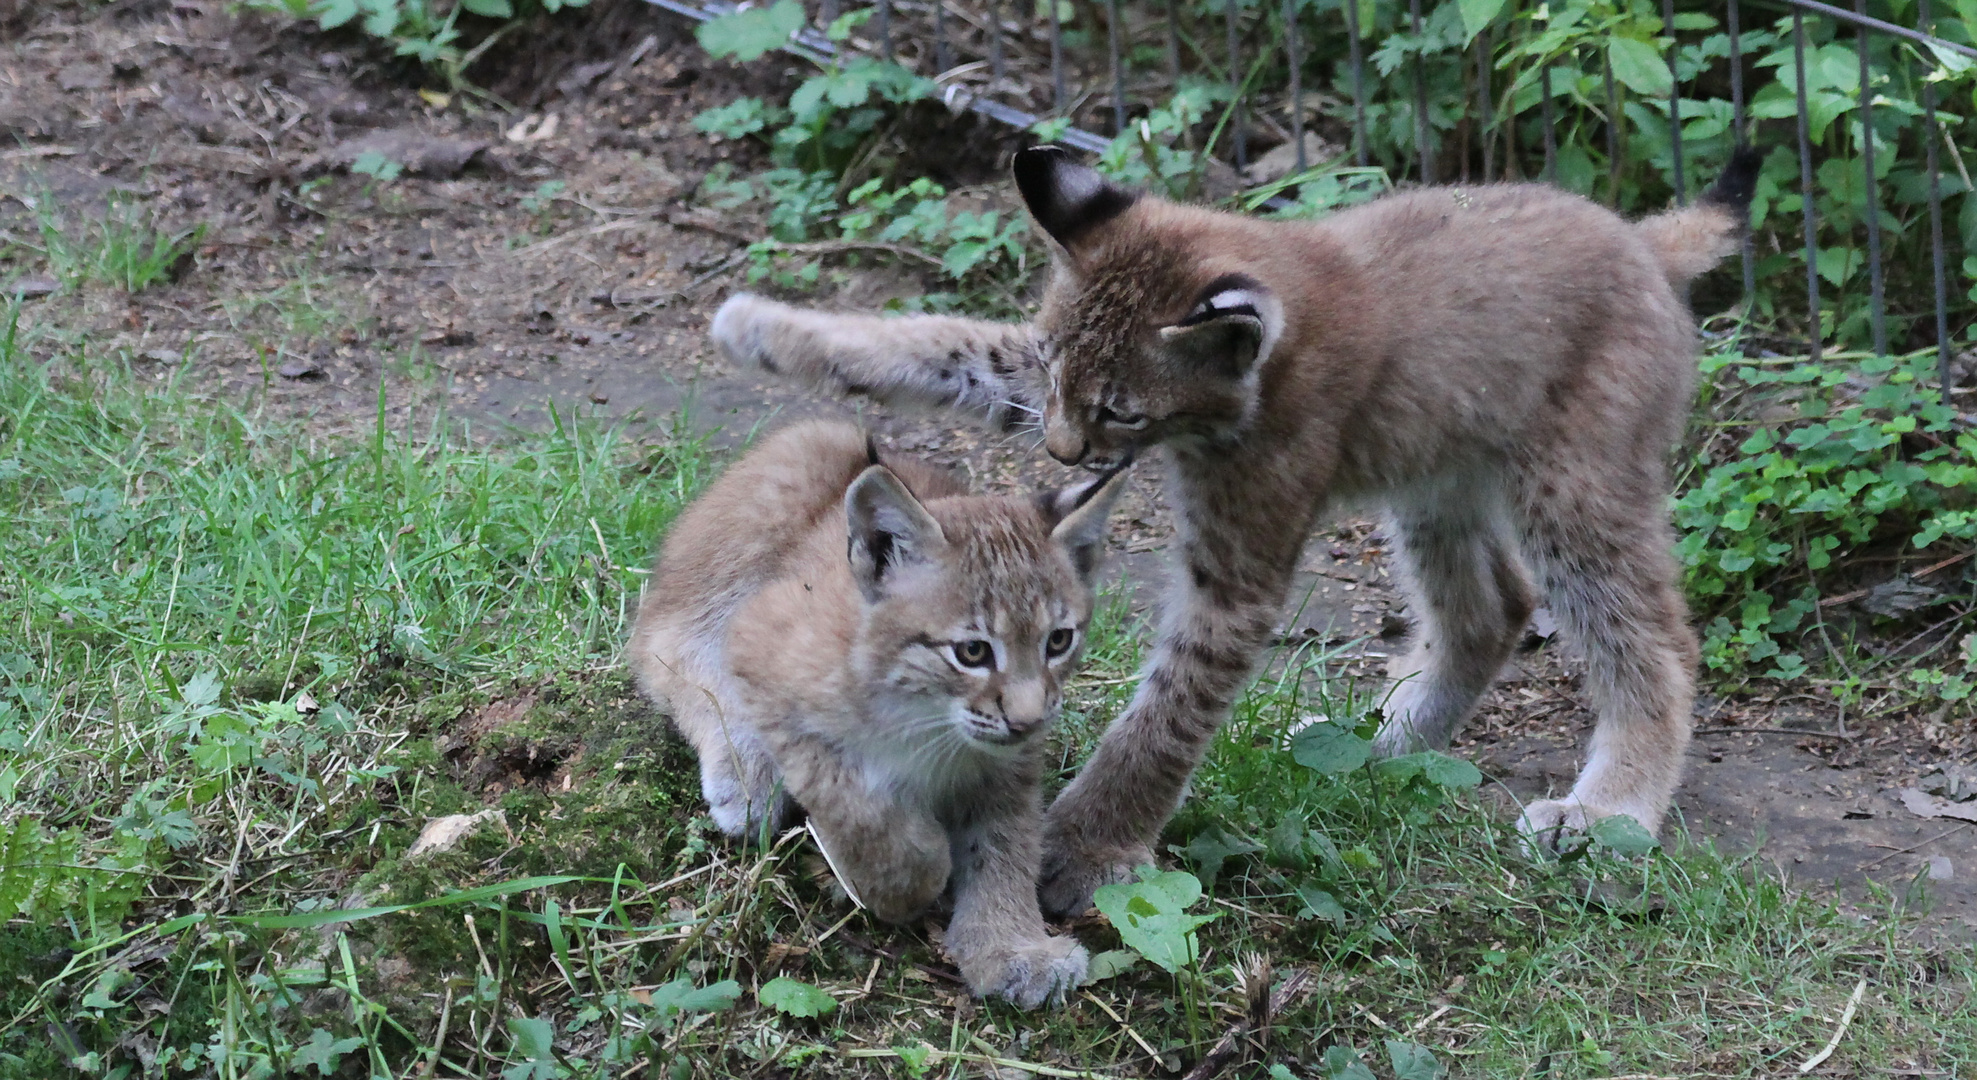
x=1852, y=452
x=425, y=30
x=792, y=997
x=748, y=33
x=1152, y=916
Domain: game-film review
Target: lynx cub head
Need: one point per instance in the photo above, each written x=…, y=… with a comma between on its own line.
x=1157, y=318
x=974, y=607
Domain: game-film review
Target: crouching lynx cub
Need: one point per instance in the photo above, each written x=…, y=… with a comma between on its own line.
x=896, y=687
x=1505, y=368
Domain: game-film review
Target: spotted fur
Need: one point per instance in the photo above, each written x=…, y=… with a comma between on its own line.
x=1505, y=368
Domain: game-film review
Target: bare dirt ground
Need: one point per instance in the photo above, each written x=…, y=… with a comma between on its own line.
x=458, y=288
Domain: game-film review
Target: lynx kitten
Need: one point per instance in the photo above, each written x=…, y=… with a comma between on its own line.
x=1504, y=368
x=895, y=687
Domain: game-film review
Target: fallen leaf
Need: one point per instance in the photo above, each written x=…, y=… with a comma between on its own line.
x=445, y=833
x=1922, y=804
x=419, y=153
x=1893, y=599
x=32, y=288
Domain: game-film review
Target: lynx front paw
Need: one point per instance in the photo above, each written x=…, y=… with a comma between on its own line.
x=736, y=330
x=1549, y=824
x=1071, y=874
x=1032, y=974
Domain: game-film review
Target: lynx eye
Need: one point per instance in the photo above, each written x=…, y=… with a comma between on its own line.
x=1059, y=642
x=974, y=654
x=1131, y=423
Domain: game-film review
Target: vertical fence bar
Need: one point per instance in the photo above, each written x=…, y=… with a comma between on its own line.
x=885, y=29
x=1742, y=135
x=1291, y=54
x=1544, y=112
x=1420, y=96
x=1118, y=66
x=829, y=10
x=1930, y=134
x=943, y=57
x=1174, y=45
x=1485, y=104
x=1058, y=96
x=1878, y=308
x=1612, y=131
x=1805, y=182
x=1355, y=58
x=998, y=63
x=1237, y=135
x=1674, y=102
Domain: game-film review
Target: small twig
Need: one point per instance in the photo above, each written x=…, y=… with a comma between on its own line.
x=1849, y=597
x=834, y=247
x=1771, y=731
x=1846, y=1019
x=1121, y=1021
x=1913, y=847
x=1037, y=1068
x=857, y=942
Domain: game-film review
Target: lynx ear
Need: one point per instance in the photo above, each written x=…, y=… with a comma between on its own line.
x=1230, y=329
x=887, y=527
x=1066, y=198
x=1078, y=515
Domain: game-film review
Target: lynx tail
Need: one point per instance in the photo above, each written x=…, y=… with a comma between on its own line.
x=1692, y=239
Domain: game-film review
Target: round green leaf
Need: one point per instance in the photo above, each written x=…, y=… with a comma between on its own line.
x=1329, y=747
x=793, y=998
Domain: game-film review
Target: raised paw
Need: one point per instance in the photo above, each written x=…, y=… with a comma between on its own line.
x=737, y=329
x=1071, y=874
x=1032, y=974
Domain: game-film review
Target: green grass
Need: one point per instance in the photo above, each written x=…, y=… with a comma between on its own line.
x=205, y=876
x=124, y=246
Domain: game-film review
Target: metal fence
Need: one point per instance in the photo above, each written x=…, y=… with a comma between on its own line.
x=1017, y=62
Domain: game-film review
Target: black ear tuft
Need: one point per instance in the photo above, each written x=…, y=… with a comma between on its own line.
x=1066, y=198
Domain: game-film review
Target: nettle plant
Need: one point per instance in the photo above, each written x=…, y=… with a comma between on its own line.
x=820, y=141
x=1842, y=456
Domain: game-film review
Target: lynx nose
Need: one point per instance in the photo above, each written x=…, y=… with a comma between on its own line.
x=1024, y=709
x=1066, y=446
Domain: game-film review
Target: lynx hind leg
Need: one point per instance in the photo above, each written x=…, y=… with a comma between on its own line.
x=985, y=369
x=1469, y=597
x=1603, y=547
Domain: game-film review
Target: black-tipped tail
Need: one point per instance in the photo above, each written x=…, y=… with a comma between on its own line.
x=1735, y=187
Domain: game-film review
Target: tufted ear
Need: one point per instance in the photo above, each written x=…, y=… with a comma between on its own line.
x=887, y=527
x=1077, y=515
x=1067, y=199
x=1228, y=329
x=1226, y=347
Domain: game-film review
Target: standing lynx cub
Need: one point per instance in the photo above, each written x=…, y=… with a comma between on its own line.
x=895, y=687
x=1504, y=368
